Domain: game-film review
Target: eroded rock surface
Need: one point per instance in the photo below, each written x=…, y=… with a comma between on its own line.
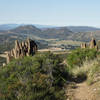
x=91, y=45
x=26, y=48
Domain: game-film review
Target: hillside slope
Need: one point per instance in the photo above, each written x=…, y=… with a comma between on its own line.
x=61, y=32
x=86, y=36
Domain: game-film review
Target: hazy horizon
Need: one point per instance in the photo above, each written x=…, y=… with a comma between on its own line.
x=49, y=25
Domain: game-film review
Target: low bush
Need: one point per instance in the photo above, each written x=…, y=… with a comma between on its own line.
x=78, y=56
x=40, y=77
x=81, y=64
x=85, y=71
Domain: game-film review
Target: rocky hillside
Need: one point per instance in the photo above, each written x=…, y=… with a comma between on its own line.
x=61, y=32
x=7, y=38
x=65, y=33
x=86, y=36
x=44, y=37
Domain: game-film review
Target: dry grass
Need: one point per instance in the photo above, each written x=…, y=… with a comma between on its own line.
x=90, y=69
x=85, y=68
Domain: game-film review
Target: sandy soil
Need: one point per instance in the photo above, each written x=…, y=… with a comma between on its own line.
x=83, y=92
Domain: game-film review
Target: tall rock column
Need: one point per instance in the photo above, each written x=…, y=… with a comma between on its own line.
x=8, y=58
x=92, y=43
x=17, y=50
x=83, y=45
x=25, y=48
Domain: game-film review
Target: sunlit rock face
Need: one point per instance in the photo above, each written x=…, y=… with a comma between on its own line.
x=83, y=45
x=25, y=48
x=91, y=45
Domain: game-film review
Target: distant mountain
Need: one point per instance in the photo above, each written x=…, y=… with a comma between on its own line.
x=61, y=33
x=22, y=32
x=44, y=26
x=26, y=29
x=7, y=38
x=47, y=33
x=82, y=28
x=58, y=32
x=41, y=36
x=4, y=27
x=86, y=36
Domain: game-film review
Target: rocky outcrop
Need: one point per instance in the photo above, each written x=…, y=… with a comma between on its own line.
x=26, y=48
x=83, y=45
x=91, y=45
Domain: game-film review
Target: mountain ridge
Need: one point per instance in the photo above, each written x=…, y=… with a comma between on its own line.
x=61, y=32
x=82, y=28
x=4, y=27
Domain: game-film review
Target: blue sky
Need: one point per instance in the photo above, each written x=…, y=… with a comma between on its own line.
x=51, y=12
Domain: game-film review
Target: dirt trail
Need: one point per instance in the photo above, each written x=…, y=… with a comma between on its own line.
x=83, y=92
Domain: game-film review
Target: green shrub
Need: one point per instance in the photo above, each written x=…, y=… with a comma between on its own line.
x=78, y=56
x=40, y=77
x=80, y=62
x=85, y=71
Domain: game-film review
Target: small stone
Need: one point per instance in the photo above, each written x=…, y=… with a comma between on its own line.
x=94, y=89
